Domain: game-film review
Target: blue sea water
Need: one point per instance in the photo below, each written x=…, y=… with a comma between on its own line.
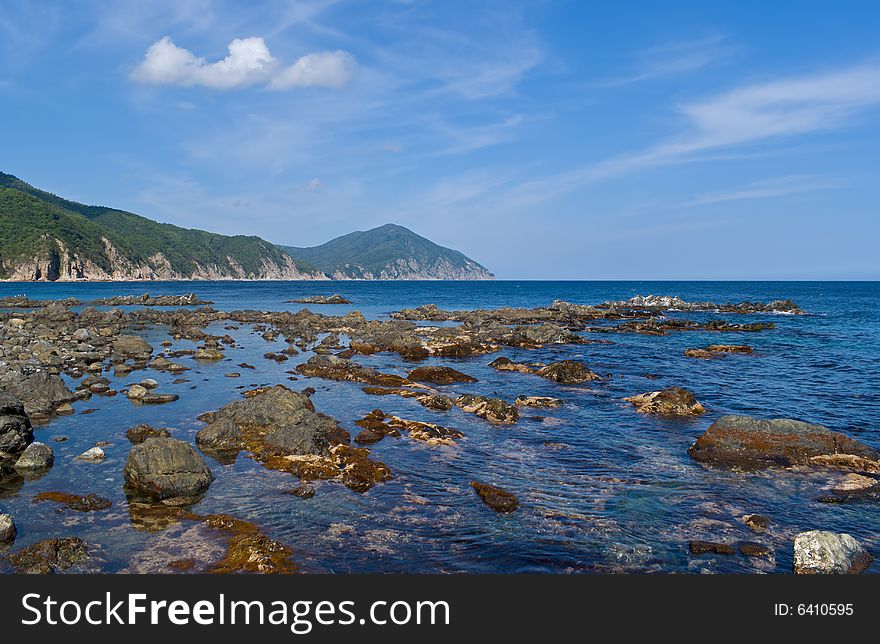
x=602, y=488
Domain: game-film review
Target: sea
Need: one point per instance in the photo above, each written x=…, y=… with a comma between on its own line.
x=602, y=489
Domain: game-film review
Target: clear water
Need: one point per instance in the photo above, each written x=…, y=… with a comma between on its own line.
x=616, y=490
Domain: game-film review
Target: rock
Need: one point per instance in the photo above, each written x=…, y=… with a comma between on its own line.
x=494, y=410
x=82, y=335
x=163, y=468
x=304, y=491
x=40, y=391
x=757, y=522
x=222, y=434
x=852, y=487
x=750, y=442
x=439, y=375
x=92, y=455
x=87, y=503
x=673, y=401
x=702, y=547
x=496, y=498
x=506, y=364
x=37, y=456
x=139, y=433
x=50, y=555
x=822, y=552
x=137, y=392
x=717, y=350
x=159, y=399
x=65, y=410
x=567, y=372
x=537, y=401
x=132, y=345
x=437, y=402
x=15, y=426
x=7, y=529
x=359, y=472
x=336, y=298
x=149, y=383
x=209, y=354
x=754, y=549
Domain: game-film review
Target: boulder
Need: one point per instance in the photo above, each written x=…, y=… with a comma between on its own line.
x=308, y=433
x=494, y=410
x=751, y=442
x=567, y=372
x=15, y=427
x=139, y=433
x=823, y=552
x=92, y=455
x=496, y=498
x=41, y=392
x=50, y=555
x=537, y=401
x=37, y=456
x=132, y=346
x=7, y=529
x=164, y=468
x=673, y=401
x=137, y=392
x=222, y=434
x=439, y=375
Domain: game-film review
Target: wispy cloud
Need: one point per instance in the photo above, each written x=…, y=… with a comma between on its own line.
x=771, y=188
x=249, y=62
x=754, y=114
x=679, y=57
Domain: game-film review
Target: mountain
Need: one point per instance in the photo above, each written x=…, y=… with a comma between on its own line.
x=46, y=237
x=389, y=252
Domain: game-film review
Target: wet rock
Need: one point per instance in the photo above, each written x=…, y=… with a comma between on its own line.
x=336, y=298
x=437, y=402
x=496, y=498
x=139, y=433
x=40, y=391
x=757, y=522
x=87, y=503
x=50, y=555
x=7, y=529
x=673, y=401
x=333, y=368
x=750, y=442
x=92, y=455
x=754, y=549
x=703, y=547
x=847, y=462
x=222, y=434
x=823, y=552
x=37, y=456
x=378, y=425
x=662, y=303
x=190, y=299
x=158, y=399
x=163, y=468
x=15, y=426
x=718, y=350
x=852, y=487
x=568, y=372
x=148, y=383
x=439, y=375
x=494, y=410
x=359, y=472
x=537, y=401
x=506, y=364
x=132, y=346
x=304, y=491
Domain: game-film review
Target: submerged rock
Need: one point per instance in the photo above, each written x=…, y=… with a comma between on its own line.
x=165, y=468
x=703, y=547
x=336, y=298
x=92, y=455
x=496, y=498
x=823, y=552
x=537, y=401
x=718, y=350
x=751, y=442
x=567, y=372
x=439, y=375
x=673, y=401
x=15, y=426
x=87, y=503
x=37, y=456
x=506, y=364
x=50, y=555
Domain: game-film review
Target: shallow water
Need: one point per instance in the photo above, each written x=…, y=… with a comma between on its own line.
x=615, y=490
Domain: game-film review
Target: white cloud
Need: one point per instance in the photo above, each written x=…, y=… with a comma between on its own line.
x=771, y=188
x=325, y=69
x=249, y=62
x=313, y=185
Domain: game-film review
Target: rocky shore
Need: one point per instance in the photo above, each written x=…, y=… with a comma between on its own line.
x=55, y=354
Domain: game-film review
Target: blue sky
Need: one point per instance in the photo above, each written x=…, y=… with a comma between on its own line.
x=547, y=139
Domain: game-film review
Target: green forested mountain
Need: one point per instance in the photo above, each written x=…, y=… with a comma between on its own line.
x=388, y=252
x=43, y=236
